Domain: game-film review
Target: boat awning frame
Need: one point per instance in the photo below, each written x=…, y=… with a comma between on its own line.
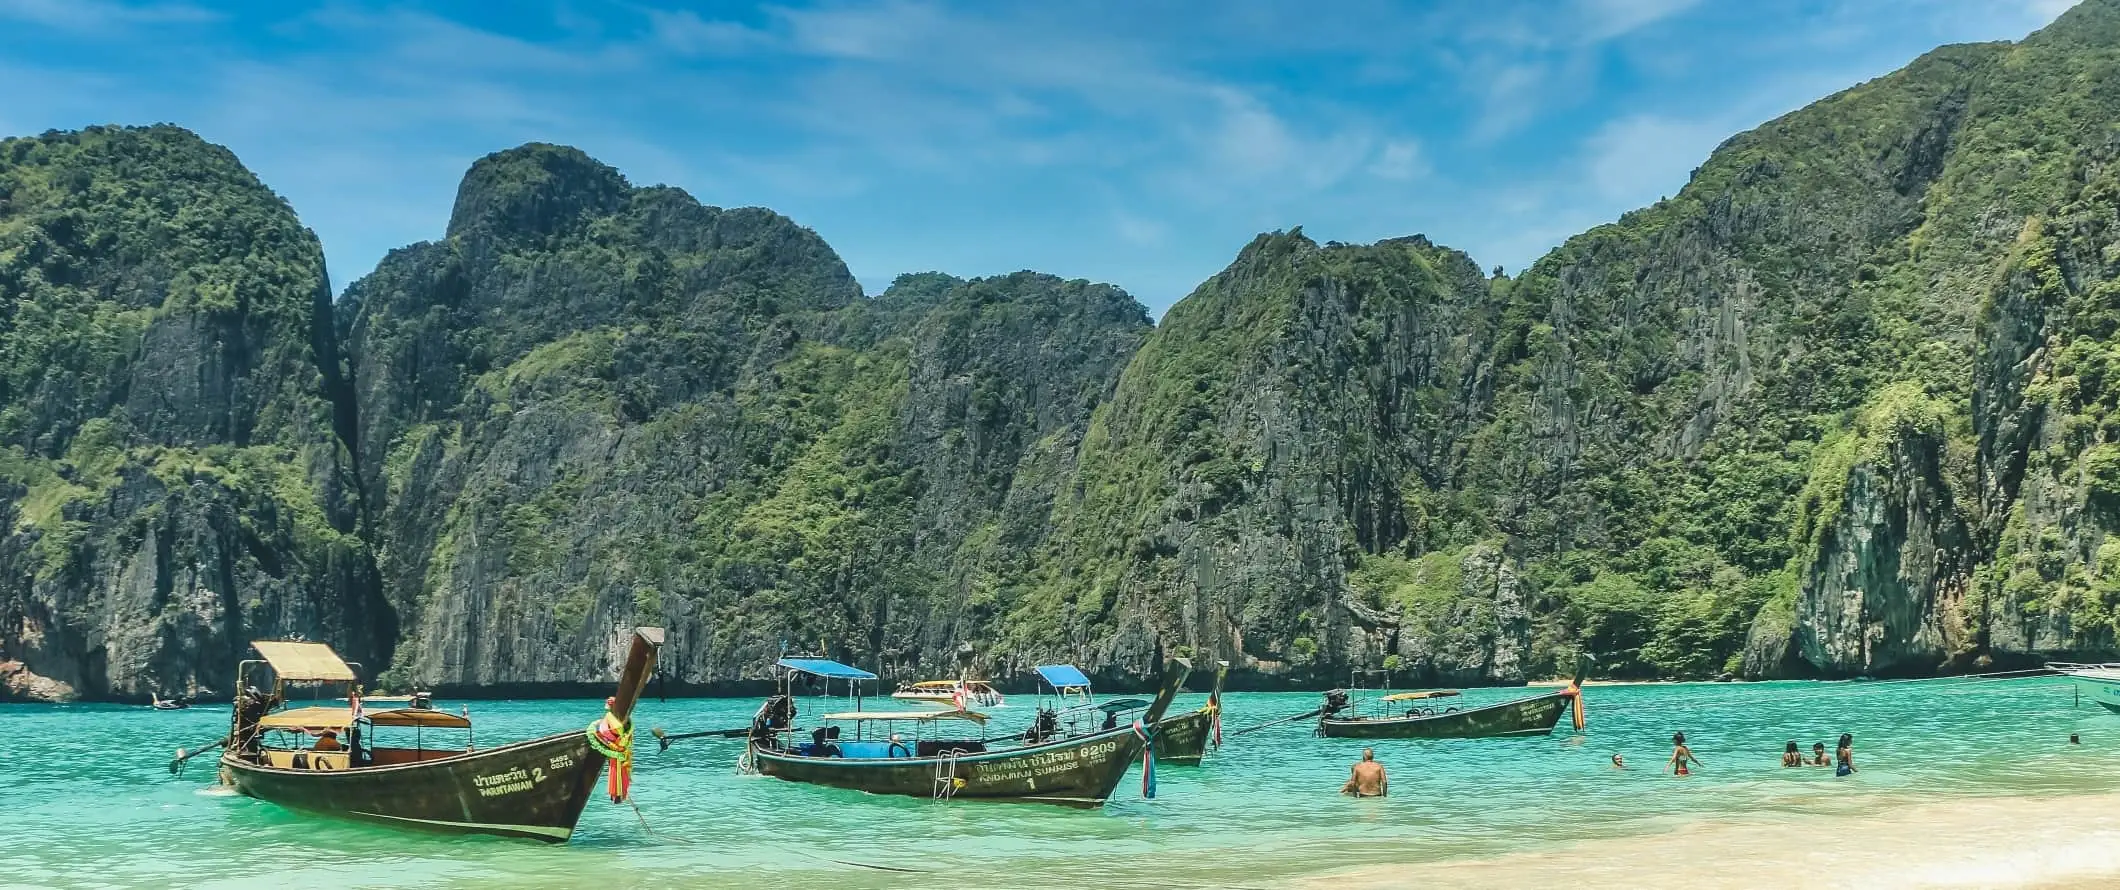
x=1122, y=704
x=973, y=716
x=825, y=667
x=1063, y=676
x=304, y=662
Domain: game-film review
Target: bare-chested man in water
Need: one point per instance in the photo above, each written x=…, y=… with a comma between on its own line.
x=1368, y=778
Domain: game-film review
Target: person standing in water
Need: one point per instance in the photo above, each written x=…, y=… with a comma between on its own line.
x=1818, y=754
x=1618, y=762
x=1792, y=755
x=1680, y=756
x=1368, y=778
x=1845, y=757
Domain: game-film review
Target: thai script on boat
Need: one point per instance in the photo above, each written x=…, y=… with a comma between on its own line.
x=510, y=782
x=1052, y=762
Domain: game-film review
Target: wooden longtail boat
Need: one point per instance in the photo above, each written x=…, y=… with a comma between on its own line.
x=1069, y=770
x=1535, y=715
x=1183, y=740
x=532, y=789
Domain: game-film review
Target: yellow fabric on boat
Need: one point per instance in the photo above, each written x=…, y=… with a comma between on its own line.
x=340, y=718
x=1409, y=696
x=309, y=718
x=304, y=661
x=973, y=716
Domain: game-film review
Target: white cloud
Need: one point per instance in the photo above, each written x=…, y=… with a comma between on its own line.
x=89, y=16
x=1606, y=19
x=1400, y=160
x=685, y=33
x=1138, y=230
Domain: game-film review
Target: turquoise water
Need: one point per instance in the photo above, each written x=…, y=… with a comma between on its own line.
x=90, y=803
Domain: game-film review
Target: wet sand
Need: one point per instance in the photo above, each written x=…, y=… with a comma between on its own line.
x=2037, y=842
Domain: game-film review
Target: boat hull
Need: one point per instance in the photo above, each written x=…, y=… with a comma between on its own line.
x=1078, y=772
x=534, y=789
x=1526, y=716
x=1182, y=740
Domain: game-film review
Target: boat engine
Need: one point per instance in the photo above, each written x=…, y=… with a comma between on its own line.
x=1335, y=702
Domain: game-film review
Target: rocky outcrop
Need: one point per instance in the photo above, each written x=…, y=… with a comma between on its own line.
x=170, y=480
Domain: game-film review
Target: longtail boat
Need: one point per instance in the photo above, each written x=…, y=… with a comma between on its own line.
x=1077, y=770
x=2104, y=680
x=533, y=789
x=1424, y=719
x=1183, y=740
x=952, y=693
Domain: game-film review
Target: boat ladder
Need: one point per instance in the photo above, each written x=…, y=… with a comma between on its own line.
x=946, y=781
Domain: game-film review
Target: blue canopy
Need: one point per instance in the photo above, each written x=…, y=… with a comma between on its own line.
x=825, y=667
x=1062, y=676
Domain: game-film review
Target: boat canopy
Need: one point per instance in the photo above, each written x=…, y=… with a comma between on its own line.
x=340, y=718
x=1123, y=704
x=1410, y=696
x=1063, y=676
x=304, y=661
x=825, y=667
x=973, y=716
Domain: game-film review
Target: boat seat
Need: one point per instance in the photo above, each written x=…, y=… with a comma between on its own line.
x=329, y=761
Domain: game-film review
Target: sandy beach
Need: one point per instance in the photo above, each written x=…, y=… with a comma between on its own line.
x=2039, y=842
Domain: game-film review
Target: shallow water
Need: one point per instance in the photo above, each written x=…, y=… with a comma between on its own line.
x=90, y=803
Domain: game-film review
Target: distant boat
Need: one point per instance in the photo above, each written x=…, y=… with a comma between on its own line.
x=1424, y=719
x=2104, y=680
x=1069, y=769
x=534, y=789
x=952, y=693
x=1183, y=740
x=167, y=704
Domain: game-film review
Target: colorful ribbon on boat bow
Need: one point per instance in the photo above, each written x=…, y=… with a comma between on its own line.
x=613, y=738
x=1148, y=759
x=1575, y=694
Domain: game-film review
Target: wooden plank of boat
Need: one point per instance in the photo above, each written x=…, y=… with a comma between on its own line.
x=1076, y=772
x=1183, y=740
x=533, y=789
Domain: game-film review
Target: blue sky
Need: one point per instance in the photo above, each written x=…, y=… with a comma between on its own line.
x=1139, y=143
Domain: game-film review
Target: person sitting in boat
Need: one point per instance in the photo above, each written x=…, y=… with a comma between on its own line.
x=821, y=742
x=328, y=740
x=1368, y=779
x=1111, y=720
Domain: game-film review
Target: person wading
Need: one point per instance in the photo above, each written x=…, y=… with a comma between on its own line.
x=1368, y=778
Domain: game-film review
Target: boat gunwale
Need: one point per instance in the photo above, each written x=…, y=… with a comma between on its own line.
x=980, y=757
x=235, y=760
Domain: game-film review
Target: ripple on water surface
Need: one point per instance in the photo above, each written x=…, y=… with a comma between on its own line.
x=88, y=787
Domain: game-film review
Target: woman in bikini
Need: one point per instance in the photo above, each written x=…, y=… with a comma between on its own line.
x=1680, y=756
x=1845, y=757
x=1792, y=755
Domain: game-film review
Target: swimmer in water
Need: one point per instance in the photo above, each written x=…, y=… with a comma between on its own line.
x=1845, y=757
x=1618, y=762
x=1818, y=754
x=1792, y=755
x=1368, y=778
x=2073, y=740
x=1680, y=756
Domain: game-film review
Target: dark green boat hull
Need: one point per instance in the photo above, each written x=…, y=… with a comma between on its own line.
x=1526, y=716
x=1182, y=740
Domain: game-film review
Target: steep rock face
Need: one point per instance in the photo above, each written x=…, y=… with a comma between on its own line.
x=1887, y=548
x=1285, y=422
x=170, y=479
x=597, y=405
